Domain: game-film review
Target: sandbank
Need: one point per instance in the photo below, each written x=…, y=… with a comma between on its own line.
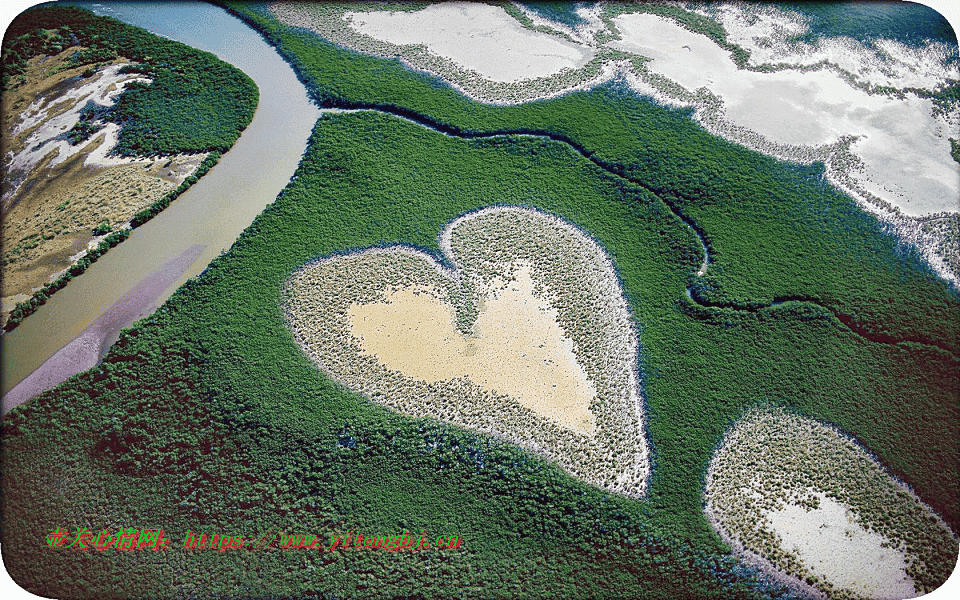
x=837, y=548
x=904, y=148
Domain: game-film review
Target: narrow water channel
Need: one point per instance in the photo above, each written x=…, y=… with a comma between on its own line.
x=178, y=243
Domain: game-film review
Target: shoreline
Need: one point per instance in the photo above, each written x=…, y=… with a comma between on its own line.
x=87, y=349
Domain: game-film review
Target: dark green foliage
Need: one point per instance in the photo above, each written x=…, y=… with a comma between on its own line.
x=27, y=37
x=272, y=444
x=89, y=123
x=208, y=415
x=955, y=149
x=561, y=12
x=102, y=228
x=911, y=23
x=195, y=103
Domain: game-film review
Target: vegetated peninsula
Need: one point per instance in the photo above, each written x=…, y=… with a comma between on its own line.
x=103, y=126
x=777, y=321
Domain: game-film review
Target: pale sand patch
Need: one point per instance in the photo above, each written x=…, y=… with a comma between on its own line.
x=903, y=147
x=836, y=547
x=865, y=533
x=8, y=303
x=496, y=82
x=479, y=37
x=764, y=30
x=45, y=120
x=518, y=348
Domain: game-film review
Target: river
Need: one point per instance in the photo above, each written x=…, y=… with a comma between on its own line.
x=73, y=330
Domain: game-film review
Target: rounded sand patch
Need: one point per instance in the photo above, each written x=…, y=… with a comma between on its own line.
x=811, y=507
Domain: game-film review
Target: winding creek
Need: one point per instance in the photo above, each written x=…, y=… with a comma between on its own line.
x=76, y=327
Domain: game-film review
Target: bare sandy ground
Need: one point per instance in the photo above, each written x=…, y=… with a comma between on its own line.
x=41, y=124
x=904, y=148
x=518, y=348
x=86, y=350
x=476, y=36
x=812, y=508
x=837, y=548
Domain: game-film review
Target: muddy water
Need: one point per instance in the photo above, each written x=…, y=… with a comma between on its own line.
x=203, y=221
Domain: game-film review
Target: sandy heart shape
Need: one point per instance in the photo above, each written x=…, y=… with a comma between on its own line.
x=527, y=337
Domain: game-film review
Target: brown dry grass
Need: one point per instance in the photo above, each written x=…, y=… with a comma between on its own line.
x=51, y=217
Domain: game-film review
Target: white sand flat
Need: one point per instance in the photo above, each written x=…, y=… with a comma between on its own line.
x=837, y=548
x=905, y=150
x=479, y=37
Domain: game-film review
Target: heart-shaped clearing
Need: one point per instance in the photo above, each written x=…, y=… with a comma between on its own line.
x=516, y=347
x=528, y=338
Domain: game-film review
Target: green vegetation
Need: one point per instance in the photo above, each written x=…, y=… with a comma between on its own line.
x=561, y=12
x=527, y=23
x=102, y=228
x=195, y=103
x=89, y=123
x=208, y=414
x=23, y=43
x=955, y=149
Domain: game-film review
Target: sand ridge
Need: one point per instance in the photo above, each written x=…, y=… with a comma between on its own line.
x=499, y=49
